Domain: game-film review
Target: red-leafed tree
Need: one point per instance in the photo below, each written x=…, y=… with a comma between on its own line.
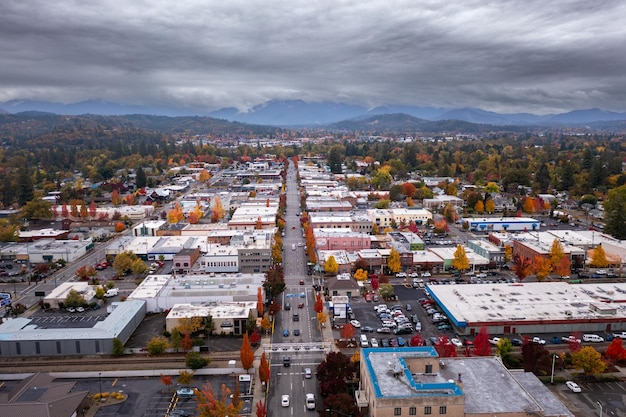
x=342, y=402
x=259, y=302
x=333, y=373
x=93, y=209
x=374, y=282
x=417, y=340
x=413, y=227
x=445, y=348
x=166, y=380
x=261, y=410
x=255, y=337
x=347, y=332
x=615, y=352
x=573, y=342
x=319, y=304
x=187, y=342
x=536, y=358
x=482, y=347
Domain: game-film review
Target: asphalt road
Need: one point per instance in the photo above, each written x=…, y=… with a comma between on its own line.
x=290, y=380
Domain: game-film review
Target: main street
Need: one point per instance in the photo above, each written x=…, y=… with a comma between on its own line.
x=303, y=349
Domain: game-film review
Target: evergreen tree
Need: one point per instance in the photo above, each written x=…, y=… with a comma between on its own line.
x=140, y=179
x=24, y=187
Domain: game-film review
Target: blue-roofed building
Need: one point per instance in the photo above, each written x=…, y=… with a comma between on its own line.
x=415, y=381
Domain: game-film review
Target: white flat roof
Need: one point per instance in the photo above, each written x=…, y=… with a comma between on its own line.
x=532, y=301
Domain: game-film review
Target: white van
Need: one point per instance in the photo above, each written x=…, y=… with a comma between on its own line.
x=364, y=341
x=593, y=338
x=293, y=246
x=112, y=292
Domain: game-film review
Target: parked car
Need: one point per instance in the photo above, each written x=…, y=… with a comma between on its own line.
x=573, y=386
x=355, y=323
x=621, y=335
x=517, y=342
x=384, y=342
x=374, y=342
x=185, y=392
x=401, y=342
x=538, y=340
x=456, y=342
x=367, y=329
x=494, y=341
x=383, y=330
x=403, y=330
x=409, y=308
x=444, y=327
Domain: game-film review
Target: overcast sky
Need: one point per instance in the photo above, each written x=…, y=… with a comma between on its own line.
x=539, y=56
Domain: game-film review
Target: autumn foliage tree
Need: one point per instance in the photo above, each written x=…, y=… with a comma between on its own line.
x=331, y=266
x=589, y=360
x=217, y=210
x=393, y=262
x=211, y=405
x=417, y=340
x=246, y=354
x=333, y=373
x=598, y=258
x=318, y=306
x=615, y=352
x=482, y=347
x=264, y=369
x=166, y=380
x=521, y=266
x=347, y=332
x=260, y=305
x=541, y=267
x=445, y=348
x=261, y=409
x=460, y=261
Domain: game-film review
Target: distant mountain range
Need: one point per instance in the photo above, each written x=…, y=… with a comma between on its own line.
x=301, y=113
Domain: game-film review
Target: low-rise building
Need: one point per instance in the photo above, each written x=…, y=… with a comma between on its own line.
x=227, y=318
x=341, y=239
x=416, y=381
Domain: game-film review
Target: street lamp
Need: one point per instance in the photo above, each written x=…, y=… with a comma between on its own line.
x=600, y=404
x=554, y=357
x=331, y=410
x=100, y=382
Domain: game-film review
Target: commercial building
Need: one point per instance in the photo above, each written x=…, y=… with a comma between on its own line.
x=162, y=292
x=227, y=318
x=341, y=239
x=511, y=224
x=536, y=307
x=415, y=381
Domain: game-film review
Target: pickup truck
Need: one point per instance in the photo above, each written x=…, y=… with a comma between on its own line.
x=621, y=335
x=494, y=341
x=570, y=339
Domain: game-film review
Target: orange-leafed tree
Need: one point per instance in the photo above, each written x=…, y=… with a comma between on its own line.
x=264, y=369
x=541, y=267
x=347, y=332
x=246, y=354
x=259, y=223
x=176, y=214
x=217, y=210
x=84, y=212
x=116, y=199
x=187, y=342
x=204, y=176
x=408, y=189
x=119, y=227
x=93, y=209
x=479, y=207
x=260, y=306
x=210, y=404
x=74, y=207
x=166, y=380
x=529, y=205
x=521, y=266
x=192, y=217
x=318, y=306
x=564, y=267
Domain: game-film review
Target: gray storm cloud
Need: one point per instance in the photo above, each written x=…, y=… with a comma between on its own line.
x=507, y=56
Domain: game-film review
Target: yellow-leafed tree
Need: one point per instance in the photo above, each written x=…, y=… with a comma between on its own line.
x=393, y=262
x=460, y=261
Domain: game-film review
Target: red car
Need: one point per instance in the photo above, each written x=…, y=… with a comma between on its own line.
x=301, y=305
x=301, y=282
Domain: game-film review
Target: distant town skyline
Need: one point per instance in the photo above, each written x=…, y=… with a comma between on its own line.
x=510, y=56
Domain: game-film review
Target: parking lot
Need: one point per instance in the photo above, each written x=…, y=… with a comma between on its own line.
x=148, y=397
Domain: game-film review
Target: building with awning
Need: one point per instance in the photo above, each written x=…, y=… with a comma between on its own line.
x=512, y=224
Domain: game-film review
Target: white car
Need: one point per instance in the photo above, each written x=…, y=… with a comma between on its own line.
x=456, y=342
x=374, y=342
x=539, y=340
x=383, y=330
x=284, y=400
x=426, y=275
x=355, y=323
x=494, y=341
x=573, y=386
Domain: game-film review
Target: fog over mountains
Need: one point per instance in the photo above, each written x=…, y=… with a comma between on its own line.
x=301, y=113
